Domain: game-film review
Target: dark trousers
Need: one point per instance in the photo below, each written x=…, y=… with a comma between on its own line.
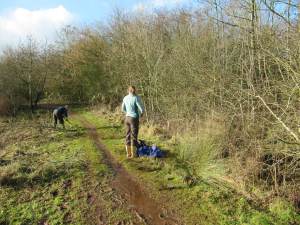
x=132, y=130
x=58, y=118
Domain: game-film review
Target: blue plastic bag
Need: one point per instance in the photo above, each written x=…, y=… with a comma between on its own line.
x=149, y=151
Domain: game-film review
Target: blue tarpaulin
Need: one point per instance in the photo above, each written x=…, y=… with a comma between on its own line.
x=149, y=151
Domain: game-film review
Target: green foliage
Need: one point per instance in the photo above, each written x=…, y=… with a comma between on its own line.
x=197, y=154
x=260, y=219
x=284, y=212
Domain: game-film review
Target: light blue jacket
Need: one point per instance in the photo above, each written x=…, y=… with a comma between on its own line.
x=132, y=106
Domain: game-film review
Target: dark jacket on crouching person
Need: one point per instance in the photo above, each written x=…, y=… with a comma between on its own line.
x=59, y=114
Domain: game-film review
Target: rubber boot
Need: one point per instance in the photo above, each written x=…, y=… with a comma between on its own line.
x=128, y=151
x=133, y=151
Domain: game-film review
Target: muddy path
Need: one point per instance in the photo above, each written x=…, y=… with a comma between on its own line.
x=137, y=199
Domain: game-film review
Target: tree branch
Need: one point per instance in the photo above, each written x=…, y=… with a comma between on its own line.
x=278, y=119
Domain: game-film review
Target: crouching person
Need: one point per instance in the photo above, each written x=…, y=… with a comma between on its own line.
x=133, y=107
x=60, y=114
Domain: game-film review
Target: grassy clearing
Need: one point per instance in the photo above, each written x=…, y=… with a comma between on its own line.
x=57, y=177
x=42, y=175
x=206, y=200
x=52, y=176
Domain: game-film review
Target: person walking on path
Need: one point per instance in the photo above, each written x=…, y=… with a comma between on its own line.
x=59, y=114
x=133, y=108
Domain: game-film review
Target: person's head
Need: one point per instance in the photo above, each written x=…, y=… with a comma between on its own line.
x=131, y=90
x=66, y=107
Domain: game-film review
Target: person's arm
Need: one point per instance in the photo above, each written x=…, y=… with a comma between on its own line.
x=66, y=113
x=140, y=105
x=123, y=107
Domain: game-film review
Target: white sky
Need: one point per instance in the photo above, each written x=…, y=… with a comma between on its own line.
x=18, y=24
x=42, y=19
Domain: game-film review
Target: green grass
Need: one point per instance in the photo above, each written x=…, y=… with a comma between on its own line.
x=208, y=201
x=41, y=178
x=47, y=175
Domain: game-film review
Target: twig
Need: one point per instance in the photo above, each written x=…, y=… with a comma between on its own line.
x=279, y=120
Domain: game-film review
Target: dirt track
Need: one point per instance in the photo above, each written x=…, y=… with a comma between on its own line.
x=137, y=199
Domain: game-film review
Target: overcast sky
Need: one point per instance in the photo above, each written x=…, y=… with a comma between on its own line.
x=41, y=19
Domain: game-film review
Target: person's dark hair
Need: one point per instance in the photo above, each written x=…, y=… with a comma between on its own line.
x=132, y=89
